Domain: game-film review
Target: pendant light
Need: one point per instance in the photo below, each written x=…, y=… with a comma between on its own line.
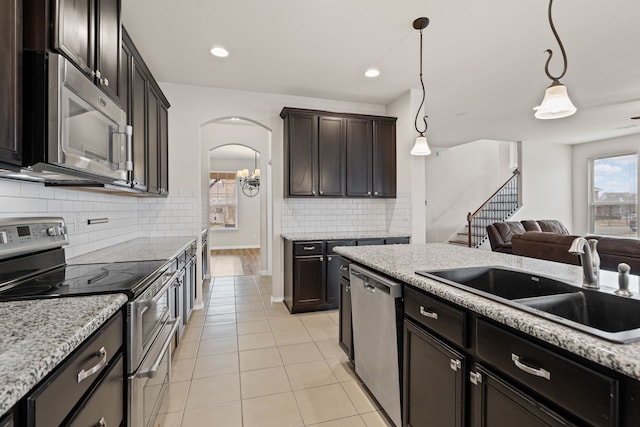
x=556, y=103
x=421, y=147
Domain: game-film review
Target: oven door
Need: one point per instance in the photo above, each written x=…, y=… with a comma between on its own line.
x=149, y=384
x=147, y=315
x=87, y=129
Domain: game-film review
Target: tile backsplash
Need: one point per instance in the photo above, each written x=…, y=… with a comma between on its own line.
x=128, y=217
x=346, y=215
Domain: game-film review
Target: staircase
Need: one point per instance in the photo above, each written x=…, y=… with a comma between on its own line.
x=500, y=206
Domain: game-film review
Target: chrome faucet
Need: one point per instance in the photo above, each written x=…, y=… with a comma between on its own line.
x=589, y=259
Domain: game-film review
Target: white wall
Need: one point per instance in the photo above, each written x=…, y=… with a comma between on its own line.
x=580, y=173
x=546, y=183
x=192, y=107
x=458, y=180
x=247, y=233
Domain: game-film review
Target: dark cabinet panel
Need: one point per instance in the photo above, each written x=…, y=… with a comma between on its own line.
x=331, y=159
x=126, y=67
x=434, y=381
x=308, y=275
x=109, y=41
x=333, y=280
x=75, y=32
x=301, y=151
x=384, y=158
x=359, y=136
x=10, y=82
x=153, y=148
x=494, y=403
x=345, y=332
x=138, y=119
x=163, y=125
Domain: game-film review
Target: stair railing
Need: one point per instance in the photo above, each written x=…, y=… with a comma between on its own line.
x=512, y=184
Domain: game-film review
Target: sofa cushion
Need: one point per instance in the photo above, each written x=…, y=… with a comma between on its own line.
x=552, y=226
x=545, y=245
x=531, y=225
x=614, y=250
x=508, y=228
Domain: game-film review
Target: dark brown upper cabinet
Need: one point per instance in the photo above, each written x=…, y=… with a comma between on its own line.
x=338, y=154
x=10, y=82
x=89, y=33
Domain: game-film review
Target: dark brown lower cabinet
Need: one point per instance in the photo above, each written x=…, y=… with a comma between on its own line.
x=10, y=82
x=495, y=403
x=345, y=338
x=434, y=381
x=309, y=280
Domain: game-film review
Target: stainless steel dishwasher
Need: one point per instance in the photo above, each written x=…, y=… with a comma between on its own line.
x=376, y=304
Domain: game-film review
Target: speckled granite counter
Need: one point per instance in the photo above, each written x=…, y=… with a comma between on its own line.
x=401, y=262
x=36, y=335
x=340, y=235
x=143, y=249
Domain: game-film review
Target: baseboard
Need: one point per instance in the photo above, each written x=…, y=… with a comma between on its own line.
x=219, y=248
x=277, y=299
x=199, y=306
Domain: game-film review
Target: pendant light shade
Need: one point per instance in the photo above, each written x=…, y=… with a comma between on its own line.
x=556, y=103
x=420, y=148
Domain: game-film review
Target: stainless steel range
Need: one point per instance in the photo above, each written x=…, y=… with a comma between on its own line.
x=32, y=265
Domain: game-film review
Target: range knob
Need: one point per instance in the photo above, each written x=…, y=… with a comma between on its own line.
x=52, y=231
x=3, y=238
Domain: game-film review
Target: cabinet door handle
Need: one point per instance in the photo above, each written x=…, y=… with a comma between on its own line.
x=344, y=268
x=321, y=258
x=347, y=289
x=475, y=377
x=329, y=258
x=82, y=375
x=430, y=314
x=375, y=193
x=538, y=372
x=455, y=364
x=313, y=192
x=106, y=82
x=368, y=193
x=321, y=192
x=101, y=423
x=309, y=248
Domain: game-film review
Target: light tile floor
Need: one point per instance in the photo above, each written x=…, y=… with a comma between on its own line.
x=244, y=361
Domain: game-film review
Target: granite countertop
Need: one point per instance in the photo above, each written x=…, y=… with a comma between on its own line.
x=337, y=235
x=401, y=262
x=37, y=335
x=141, y=249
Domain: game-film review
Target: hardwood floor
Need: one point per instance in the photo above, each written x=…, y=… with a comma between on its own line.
x=235, y=262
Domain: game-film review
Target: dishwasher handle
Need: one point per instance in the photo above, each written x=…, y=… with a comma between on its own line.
x=370, y=283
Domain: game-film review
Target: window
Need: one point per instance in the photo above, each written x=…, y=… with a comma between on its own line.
x=223, y=200
x=614, y=195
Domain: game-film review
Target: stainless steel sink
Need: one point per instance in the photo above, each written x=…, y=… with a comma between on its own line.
x=596, y=312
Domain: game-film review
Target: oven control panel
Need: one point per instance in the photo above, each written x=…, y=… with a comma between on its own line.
x=20, y=236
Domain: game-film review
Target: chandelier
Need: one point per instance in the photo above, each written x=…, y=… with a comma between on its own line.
x=250, y=182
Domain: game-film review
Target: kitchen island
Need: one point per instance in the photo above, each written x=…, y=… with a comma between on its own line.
x=616, y=366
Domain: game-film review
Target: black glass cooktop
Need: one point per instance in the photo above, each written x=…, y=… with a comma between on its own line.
x=130, y=278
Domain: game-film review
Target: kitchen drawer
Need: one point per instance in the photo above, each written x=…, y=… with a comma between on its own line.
x=105, y=406
x=55, y=398
x=308, y=248
x=364, y=242
x=581, y=391
x=438, y=316
x=396, y=241
x=344, y=268
x=334, y=243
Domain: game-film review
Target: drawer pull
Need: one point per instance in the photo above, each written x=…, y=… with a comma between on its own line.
x=309, y=248
x=475, y=377
x=347, y=289
x=538, y=372
x=101, y=423
x=82, y=375
x=344, y=268
x=429, y=314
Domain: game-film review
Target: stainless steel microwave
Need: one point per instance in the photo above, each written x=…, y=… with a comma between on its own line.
x=77, y=131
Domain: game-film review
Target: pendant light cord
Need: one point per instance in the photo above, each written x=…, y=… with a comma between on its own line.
x=550, y=52
x=423, y=96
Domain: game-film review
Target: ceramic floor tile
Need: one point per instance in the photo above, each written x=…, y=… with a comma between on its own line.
x=182, y=370
x=342, y=369
x=299, y=353
x=255, y=327
x=285, y=324
x=171, y=419
x=276, y=410
x=192, y=333
x=219, y=319
x=277, y=310
x=317, y=321
x=210, y=366
x=330, y=349
x=250, y=306
x=186, y=350
x=256, y=341
x=217, y=331
x=246, y=299
x=297, y=336
x=355, y=421
x=259, y=359
x=213, y=390
x=359, y=397
x=221, y=309
x=251, y=316
x=310, y=374
x=263, y=382
x=335, y=316
x=217, y=300
x=323, y=334
x=176, y=397
x=325, y=403
x=226, y=414
x=375, y=419
x=218, y=346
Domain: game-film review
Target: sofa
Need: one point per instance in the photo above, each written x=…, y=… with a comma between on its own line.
x=501, y=233
x=553, y=245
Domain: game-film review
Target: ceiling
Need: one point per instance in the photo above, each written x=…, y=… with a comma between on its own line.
x=483, y=60
x=233, y=152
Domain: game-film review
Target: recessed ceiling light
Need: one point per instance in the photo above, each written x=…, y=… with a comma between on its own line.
x=220, y=52
x=372, y=72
